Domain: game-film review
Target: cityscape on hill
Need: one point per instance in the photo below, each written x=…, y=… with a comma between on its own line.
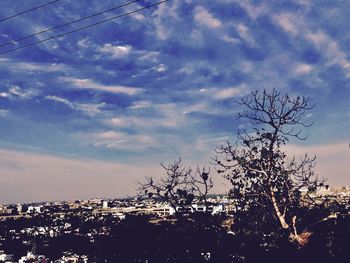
x=39, y=232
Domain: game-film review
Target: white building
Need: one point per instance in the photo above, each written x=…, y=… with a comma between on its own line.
x=34, y=209
x=165, y=210
x=213, y=209
x=105, y=204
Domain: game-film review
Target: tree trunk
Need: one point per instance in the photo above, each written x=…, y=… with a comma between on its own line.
x=281, y=217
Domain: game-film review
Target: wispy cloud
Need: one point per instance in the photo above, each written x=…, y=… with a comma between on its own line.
x=116, y=51
x=90, y=84
x=225, y=93
x=136, y=122
x=297, y=26
x=16, y=92
x=33, y=67
x=169, y=115
x=204, y=18
x=302, y=69
x=244, y=33
x=141, y=104
x=117, y=140
x=289, y=23
x=160, y=68
x=161, y=18
x=331, y=49
x=253, y=10
x=3, y=112
x=87, y=108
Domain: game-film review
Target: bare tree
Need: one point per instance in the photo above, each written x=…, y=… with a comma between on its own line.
x=180, y=187
x=257, y=166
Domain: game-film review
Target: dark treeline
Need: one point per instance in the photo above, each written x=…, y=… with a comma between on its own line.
x=195, y=238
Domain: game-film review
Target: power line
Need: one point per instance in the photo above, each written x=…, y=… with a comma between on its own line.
x=85, y=27
x=69, y=23
x=29, y=10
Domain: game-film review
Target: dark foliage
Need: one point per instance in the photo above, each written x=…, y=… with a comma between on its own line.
x=179, y=187
x=198, y=238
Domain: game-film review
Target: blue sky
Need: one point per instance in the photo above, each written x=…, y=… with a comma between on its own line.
x=91, y=113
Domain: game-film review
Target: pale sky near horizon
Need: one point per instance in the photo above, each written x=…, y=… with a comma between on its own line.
x=89, y=114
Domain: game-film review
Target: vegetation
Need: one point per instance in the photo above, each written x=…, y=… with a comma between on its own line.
x=198, y=238
x=180, y=187
x=262, y=176
x=275, y=209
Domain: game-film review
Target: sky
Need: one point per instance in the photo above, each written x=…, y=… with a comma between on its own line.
x=91, y=113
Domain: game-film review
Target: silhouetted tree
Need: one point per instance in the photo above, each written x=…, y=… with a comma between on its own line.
x=257, y=166
x=180, y=187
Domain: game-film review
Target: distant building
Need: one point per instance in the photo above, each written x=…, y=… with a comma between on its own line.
x=165, y=210
x=213, y=209
x=4, y=210
x=34, y=209
x=19, y=208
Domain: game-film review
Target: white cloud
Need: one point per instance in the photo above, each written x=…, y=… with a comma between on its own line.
x=161, y=18
x=243, y=32
x=116, y=51
x=141, y=104
x=297, y=26
x=229, y=39
x=142, y=122
x=204, y=18
x=225, y=93
x=138, y=16
x=302, y=69
x=123, y=141
x=3, y=112
x=200, y=107
x=31, y=67
x=253, y=10
x=84, y=43
x=188, y=69
x=161, y=68
x=17, y=92
x=169, y=115
x=228, y=93
x=90, y=109
x=59, y=99
x=122, y=122
x=330, y=48
x=288, y=22
x=90, y=84
x=87, y=108
x=110, y=135
x=161, y=30
x=148, y=55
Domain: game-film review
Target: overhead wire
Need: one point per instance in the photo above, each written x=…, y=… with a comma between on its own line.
x=28, y=10
x=68, y=23
x=85, y=27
